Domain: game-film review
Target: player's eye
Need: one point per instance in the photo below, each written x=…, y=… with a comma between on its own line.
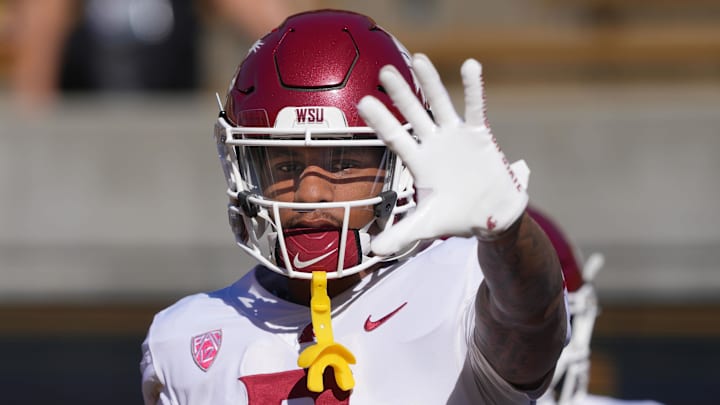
x=288, y=167
x=343, y=165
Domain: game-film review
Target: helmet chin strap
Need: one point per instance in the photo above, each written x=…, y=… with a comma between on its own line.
x=318, y=249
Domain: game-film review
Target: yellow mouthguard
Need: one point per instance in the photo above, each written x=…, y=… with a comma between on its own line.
x=325, y=352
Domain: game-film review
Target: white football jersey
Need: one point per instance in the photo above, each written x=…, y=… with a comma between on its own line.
x=409, y=328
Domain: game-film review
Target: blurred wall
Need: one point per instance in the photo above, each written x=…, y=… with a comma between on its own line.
x=109, y=198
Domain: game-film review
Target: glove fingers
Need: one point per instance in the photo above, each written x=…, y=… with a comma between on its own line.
x=471, y=73
x=406, y=101
x=387, y=127
x=435, y=91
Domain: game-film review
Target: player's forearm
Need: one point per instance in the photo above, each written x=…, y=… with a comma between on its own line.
x=521, y=321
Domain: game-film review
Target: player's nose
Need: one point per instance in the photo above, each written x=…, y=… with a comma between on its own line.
x=314, y=185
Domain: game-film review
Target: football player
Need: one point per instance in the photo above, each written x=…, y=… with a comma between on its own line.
x=396, y=261
x=572, y=374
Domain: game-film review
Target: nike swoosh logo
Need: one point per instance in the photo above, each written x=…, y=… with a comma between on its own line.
x=299, y=264
x=371, y=325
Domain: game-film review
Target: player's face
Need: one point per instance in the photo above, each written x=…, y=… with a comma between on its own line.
x=315, y=175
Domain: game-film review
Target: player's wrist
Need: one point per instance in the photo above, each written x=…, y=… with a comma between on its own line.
x=485, y=235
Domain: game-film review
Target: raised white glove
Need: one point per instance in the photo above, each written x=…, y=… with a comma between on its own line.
x=465, y=185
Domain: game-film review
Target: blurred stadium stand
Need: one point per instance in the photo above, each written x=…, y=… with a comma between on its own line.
x=112, y=205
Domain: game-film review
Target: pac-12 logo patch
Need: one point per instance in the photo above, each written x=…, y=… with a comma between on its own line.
x=205, y=348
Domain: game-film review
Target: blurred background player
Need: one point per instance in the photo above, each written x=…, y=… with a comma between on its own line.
x=572, y=375
x=126, y=45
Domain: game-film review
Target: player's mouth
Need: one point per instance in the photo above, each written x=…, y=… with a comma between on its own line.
x=314, y=219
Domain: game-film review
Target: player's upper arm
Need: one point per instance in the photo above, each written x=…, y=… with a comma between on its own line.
x=151, y=385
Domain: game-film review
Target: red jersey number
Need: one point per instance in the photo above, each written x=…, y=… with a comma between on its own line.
x=264, y=389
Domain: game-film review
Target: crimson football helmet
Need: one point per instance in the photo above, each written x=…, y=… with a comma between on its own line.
x=572, y=373
x=291, y=106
